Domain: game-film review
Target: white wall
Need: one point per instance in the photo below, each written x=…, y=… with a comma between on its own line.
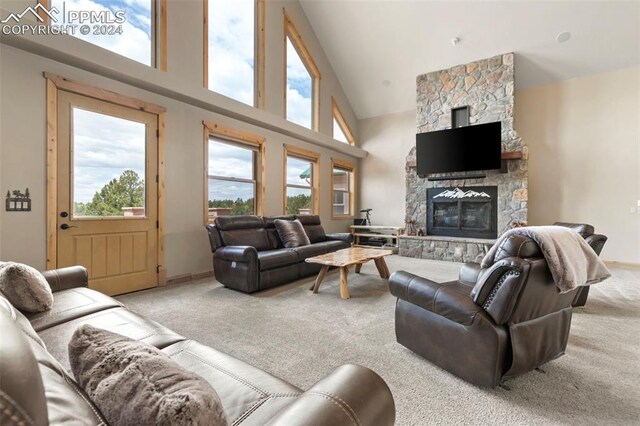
x=388, y=140
x=23, y=133
x=584, y=144
x=584, y=166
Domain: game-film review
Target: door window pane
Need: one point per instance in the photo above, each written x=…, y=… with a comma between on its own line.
x=299, y=89
x=131, y=38
x=108, y=165
x=231, y=48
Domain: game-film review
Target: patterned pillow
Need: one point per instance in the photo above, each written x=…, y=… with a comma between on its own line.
x=133, y=383
x=291, y=232
x=25, y=287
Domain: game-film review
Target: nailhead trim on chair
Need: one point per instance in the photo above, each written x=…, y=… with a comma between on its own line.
x=496, y=288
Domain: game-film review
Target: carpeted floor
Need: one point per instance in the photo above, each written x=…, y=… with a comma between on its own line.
x=301, y=337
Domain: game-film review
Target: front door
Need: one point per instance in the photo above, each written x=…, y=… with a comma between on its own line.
x=107, y=195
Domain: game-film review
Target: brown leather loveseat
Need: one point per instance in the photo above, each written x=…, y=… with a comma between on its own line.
x=249, y=256
x=37, y=388
x=491, y=324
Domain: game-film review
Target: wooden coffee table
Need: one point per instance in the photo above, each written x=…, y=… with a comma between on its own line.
x=346, y=257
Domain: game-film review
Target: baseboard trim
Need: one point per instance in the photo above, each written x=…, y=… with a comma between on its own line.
x=188, y=277
x=615, y=263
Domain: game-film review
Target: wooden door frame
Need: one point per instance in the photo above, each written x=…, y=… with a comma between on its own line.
x=55, y=83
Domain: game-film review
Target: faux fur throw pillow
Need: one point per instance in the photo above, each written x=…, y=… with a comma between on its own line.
x=133, y=383
x=25, y=287
x=291, y=233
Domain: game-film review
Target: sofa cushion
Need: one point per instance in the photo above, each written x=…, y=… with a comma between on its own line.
x=134, y=383
x=305, y=252
x=255, y=237
x=312, y=227
x=117, y=320
x=249, y=395
x=291, y=233
x=228, y=223
x=71, y=304
x=25, y=287
x=276, y=258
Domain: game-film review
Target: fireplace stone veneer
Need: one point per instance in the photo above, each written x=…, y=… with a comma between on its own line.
x=487, y=87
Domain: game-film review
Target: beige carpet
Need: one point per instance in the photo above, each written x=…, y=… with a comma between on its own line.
x=301, y=337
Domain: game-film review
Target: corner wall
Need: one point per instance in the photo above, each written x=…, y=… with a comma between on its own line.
x=584, y=165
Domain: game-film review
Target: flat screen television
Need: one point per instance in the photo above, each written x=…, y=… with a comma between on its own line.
x=459, y=150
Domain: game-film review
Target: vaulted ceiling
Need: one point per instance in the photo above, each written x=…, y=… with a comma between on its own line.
x=377, y=48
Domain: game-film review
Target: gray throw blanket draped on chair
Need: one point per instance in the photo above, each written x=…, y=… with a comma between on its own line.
x=571, y=260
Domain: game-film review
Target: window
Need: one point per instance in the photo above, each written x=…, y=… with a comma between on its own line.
x=302, y=80
x=301, y=181
x=341, y=130
x=230, y=48
x=234, y=172
x=343, y=184
x=133, y=38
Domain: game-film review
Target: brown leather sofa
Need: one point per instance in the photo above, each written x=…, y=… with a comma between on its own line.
x=596, y=241
x=249, y=256
x=491, y=324
x=37, y=388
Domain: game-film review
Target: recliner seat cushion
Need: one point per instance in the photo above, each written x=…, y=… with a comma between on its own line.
x=71, y=304
x=134, y=383
x=276, y=258
x=312, y=250
x=249, y=395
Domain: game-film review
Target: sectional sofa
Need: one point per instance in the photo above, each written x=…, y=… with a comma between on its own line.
x=37, y=388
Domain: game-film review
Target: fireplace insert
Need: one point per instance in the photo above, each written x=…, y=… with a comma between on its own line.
x=463, y=212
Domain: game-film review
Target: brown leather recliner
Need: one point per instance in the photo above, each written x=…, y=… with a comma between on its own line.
x=596, y=241
x=491, y=324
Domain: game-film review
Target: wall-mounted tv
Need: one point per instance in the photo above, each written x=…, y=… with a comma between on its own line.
x=459, y=150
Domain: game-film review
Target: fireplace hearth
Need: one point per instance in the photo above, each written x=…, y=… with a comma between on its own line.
x=462, y=212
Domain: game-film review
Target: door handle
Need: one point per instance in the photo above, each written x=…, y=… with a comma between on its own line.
x=67, y=226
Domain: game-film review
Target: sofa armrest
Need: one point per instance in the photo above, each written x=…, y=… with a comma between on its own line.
x=350, y=395
x=66, y=278
x=340, y=236
x=469, y=273
x=439, y=298
x=237, y=254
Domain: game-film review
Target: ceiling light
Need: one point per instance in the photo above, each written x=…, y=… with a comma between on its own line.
x=386, y=83
x=455, y=41
x=563, y=36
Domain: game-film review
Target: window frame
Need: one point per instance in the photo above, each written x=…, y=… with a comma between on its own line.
x=307, y=155
x=351, y=169
x=258, y=54
x=158, y=33
x=236, y=137
x=344, y=126
x=291, y=33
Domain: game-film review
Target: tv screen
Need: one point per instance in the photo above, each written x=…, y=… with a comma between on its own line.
x=459, y=150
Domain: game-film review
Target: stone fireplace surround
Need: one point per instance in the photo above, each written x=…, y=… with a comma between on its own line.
x=487, y=87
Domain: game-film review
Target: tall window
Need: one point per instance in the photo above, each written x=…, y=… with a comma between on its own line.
x=235, y=172
x=343, y=184
x=302, y=80
x=231, y=53
x=341, y=130
x=301, y=182
x=132, y=33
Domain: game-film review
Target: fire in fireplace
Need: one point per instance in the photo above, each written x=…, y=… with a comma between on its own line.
x=463, y=212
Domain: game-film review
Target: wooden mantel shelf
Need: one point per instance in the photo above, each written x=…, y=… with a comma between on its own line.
x=507, y=155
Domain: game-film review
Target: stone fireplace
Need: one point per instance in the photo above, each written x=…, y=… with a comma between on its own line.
x=461, y=232
x=462, y=212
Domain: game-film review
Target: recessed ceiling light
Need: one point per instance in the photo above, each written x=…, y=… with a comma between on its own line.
x=563, y=36
x=386, y=83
